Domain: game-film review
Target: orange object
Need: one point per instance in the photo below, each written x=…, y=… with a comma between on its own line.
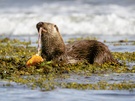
x=34, y=60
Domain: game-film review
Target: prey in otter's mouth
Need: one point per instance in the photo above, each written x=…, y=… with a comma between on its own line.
x=53, y=47
x=52, y=44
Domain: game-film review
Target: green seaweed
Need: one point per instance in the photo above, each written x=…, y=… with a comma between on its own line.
x=14, y=55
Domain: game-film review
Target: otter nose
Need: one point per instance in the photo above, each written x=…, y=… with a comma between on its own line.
x=39, y=24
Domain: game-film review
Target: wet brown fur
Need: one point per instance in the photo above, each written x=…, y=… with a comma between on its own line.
x=53, y=48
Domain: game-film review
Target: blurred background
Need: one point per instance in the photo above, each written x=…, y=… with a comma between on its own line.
x=73, y=17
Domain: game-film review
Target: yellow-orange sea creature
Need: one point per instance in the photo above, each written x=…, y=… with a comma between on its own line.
x=35, y=59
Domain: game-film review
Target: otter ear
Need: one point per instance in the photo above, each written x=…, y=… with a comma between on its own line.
x=56, y=28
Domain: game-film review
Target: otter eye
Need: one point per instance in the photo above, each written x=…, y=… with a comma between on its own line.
x=44, y=28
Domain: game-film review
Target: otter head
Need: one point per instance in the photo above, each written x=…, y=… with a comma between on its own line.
x=52, y=44
x=47, y=28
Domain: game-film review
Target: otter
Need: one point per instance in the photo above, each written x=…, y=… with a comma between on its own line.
x=54, y=48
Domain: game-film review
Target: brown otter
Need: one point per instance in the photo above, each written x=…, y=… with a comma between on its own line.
x=53, y=47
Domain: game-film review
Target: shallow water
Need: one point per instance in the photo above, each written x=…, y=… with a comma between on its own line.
x=15, y=94
x=22, y=93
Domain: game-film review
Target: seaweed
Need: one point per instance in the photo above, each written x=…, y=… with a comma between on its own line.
x=14, y=54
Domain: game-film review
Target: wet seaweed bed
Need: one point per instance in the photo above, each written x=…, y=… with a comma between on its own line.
x=50, y=75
